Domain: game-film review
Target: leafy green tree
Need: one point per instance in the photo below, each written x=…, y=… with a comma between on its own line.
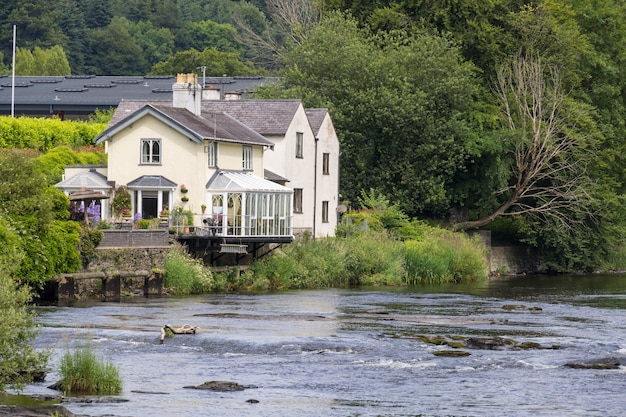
x=401, y=104
x=209, y=34
x=157, y=43
x=38, y=214
x=18, y=359
x=73, y=26
x=97, y=13
x=42, y=61
x=217, y=63
x=115, y=51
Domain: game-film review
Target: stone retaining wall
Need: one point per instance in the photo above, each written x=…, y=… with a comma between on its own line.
x=514, y=260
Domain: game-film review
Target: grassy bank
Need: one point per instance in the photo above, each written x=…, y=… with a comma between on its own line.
x=368, y=258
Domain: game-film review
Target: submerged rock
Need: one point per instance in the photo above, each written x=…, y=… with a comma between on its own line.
x=604, y=363
x=490, y=343
x=36, y=411
x=220, y=386
x=451, y=353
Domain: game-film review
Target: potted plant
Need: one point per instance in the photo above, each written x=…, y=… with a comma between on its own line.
x=185, y=199
x=121, y=202
x=203, y=208
x=183, y=189
x=164, y=213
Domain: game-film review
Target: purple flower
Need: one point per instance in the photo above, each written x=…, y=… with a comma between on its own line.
x=137, y=217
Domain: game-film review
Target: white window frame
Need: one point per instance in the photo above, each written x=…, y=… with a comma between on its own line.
x=297, y=200
x=299, y=144
x=212, y=154
x=151, y=157
x=247, y=157
x=325, y=163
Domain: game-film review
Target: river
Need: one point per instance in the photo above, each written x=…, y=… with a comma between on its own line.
x=354, y=352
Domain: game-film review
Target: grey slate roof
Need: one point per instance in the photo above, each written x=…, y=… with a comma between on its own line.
x=316, y=117
x=272, y=176
x=218, y=126
x=268, y=117
x=152, y=181
x=81, y=95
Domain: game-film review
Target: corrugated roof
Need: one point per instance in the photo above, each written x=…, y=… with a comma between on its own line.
x=239, y=181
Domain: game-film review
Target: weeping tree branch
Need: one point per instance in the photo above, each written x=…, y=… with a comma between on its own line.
x=548, y=179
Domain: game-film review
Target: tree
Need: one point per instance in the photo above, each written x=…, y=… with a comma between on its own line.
x=401, y=104
x=157, y=43
x=38, y=214
x=73, y=25
x=292, y=20
x=18, y=359
x=42, y=61
x=549, y=145
x=217, y=63
x=115, y=51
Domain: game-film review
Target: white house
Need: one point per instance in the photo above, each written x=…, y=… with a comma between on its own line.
x=261, y=167
x=305, y=155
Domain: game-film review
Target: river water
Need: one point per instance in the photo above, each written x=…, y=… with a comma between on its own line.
x=354, y=352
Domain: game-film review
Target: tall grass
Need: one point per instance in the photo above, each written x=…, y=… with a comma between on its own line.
x=374, y=258
x=371, y=258
x=441, y=257
x=83, y=374
x=187, y=275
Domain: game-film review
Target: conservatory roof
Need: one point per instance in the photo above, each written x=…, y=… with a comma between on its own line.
x=89, y=179
x=238, y=181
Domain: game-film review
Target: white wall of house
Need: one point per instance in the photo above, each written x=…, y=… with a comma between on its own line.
x=301, y=172
x=183, y=161
x=327, y=183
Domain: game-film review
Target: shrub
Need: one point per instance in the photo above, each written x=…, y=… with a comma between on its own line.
x=82, y=373
x=444, y=256
x=89, y=241
x=374, y=258
x=18, y=359
x=187, y=275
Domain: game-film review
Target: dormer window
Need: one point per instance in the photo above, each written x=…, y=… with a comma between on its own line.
x=151, y=151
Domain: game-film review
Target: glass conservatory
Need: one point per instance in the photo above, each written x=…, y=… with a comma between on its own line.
x=242, y=204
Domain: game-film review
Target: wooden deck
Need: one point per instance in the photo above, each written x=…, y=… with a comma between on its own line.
x=230, y=250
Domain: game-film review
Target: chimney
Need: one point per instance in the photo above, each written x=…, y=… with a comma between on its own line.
x=187, y=93
x=211, y=93
x=232, y=95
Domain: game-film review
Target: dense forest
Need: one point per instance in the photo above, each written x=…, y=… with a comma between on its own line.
x=500, y=114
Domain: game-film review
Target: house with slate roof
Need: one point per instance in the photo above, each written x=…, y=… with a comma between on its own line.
x=262, y=168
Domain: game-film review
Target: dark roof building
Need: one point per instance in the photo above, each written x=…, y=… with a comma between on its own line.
x=76, y=96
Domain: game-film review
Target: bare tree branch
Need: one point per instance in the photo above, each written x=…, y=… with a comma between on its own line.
x=549, y=178
x=292, y=20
